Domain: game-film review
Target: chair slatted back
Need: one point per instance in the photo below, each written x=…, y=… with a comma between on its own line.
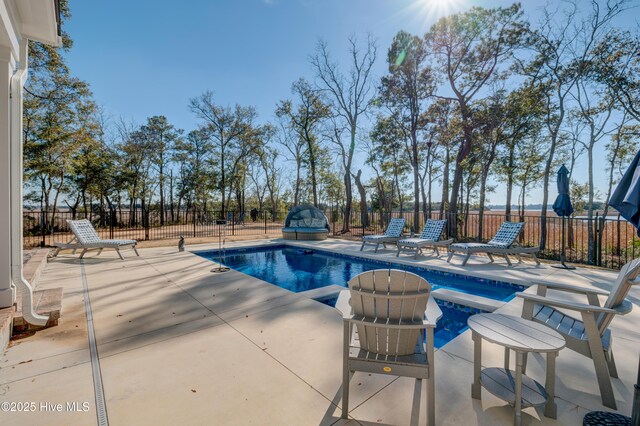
x=507, y=234
x=395, y=227
x=433, y=229
x=84, y=232
x=619, y=291
x=388, y=296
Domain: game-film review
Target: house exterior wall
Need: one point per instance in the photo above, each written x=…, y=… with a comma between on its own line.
x=20, y=21
x=7, y=291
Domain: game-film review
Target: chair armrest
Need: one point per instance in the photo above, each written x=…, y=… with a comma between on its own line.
x=581, y=307
x=343, y=304
x=433, y=313
x=571, y=288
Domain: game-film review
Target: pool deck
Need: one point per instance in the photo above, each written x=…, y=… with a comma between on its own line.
x=178, y=344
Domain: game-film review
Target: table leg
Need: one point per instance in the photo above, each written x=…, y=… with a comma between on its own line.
x=551, y=409
x=477, y=365
x=518, y=389
x=506, y=359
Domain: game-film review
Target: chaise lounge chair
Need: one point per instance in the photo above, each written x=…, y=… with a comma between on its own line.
x=390, y=309
x=391, y=234
x=589, y=334
x=503, y=243
x=88, y=239
x=430, y=237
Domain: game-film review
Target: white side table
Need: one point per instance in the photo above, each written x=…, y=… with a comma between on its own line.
x=522, y=336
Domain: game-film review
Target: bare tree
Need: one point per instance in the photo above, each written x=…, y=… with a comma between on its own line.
x=351, y=96
x=295, y=147
x=560, y=54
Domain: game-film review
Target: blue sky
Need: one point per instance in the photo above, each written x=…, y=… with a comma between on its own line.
x=145, y=58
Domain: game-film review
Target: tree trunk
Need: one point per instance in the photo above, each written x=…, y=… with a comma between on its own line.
x=223, y=181
x=445, y=183
x=416, y=199
x=397, y=185
x=423, y=195
x=507, y=208
x=161, y=193
x=416, y=181
x=296, y=195
x=591, y=249
x=347, y=208
x=171, y=205
x=547, y=172
x=430, y=180
x=464, y=151
x=347, y=181
x=483, y=186
x=364, y=216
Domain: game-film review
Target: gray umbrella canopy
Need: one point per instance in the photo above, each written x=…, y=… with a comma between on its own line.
x=562, y=206
x=626, y=197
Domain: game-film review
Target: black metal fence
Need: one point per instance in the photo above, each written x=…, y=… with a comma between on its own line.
x=43, y=229
x=609, y=242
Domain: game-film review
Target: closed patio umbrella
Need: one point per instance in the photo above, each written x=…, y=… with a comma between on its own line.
x=626, y=199
x=563, y=208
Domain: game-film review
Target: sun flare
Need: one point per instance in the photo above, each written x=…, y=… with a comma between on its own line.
x=439, y=8
x=424, y=13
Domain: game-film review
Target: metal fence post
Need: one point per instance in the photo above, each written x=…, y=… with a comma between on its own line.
x=112, y=217
x=194, y=222
x=265, y=222
x=233, y=223
x=600, y=227
x=593, y=259
x=145, y=223
x=42, y=228
x=618, y=251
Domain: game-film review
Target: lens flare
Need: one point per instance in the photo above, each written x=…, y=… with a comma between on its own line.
x=427, y=12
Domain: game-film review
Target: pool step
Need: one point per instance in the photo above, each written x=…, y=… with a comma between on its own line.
x=323, y=293
x=471, y=300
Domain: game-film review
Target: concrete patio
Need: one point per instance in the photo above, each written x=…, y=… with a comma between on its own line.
x=178, y=344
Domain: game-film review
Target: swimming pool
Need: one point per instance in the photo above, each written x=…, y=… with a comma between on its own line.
x=287, y=267
x=293, y=269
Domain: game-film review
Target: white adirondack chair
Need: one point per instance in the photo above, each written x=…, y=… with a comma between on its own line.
x=589, y=334
x=389, y=308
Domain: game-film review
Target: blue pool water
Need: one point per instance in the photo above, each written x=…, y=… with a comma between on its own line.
x=286, y=267
x=290, y=268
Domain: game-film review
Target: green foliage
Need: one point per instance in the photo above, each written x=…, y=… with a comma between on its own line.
x=59, y=126
x=304, y=118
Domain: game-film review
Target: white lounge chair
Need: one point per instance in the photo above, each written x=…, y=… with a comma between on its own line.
x=391, y=234
x=389, y=308
x=430, y=237
x=503, y=244
x=589, y=334
x=86, y=238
